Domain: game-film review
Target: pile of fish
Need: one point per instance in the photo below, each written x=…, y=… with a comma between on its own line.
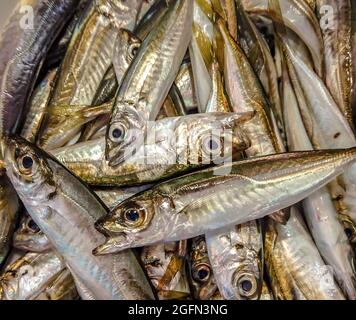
x=178, y=149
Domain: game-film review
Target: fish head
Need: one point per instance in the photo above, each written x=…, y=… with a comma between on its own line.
x=246, y=283
x=30, y=237
x=126, y=47
x=201, y=272
x=211, y=138
x=28, y=170
x=125, y=133
x=136, y=222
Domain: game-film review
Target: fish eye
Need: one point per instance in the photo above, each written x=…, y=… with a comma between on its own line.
x=134, y=216
x=211, y=145
x=26, y=164
x=33, y=226
x=247, y=285
x=201, y=273
x=117, y=133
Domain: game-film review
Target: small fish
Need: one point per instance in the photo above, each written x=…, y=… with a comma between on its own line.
x=209, y=199
x=294, y=265
x=86, y=62
x=29, y=276
x=337, y=51
x=65, y=210
x=236, y=256
x=319, y=210
x=25, y=49
x=201, y=272
x=299, y=17
x=147, y=82
x=38, y=106
x=177, y=144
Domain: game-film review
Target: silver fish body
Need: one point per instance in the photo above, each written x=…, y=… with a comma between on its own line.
x=65, y=210
x=147, y=81
x=211, y=199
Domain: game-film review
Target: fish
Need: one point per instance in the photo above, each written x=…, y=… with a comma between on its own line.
x=326, y=128
x=61, y=288
x=336, y=30
x=111, y=197
x=184, y=83
x=211, y=199
x=175, y=145
x=25, y=48
x=319, y=210
x=65, y=210
x=236, y=257
x=58, y=49
x=9, y=208
x=234, y=252
x=294, y=264
x=140, y=97
x=200, y=54
x=151, y=18
x=204, y=285
x=126, y=49
x=260, y=58
x=29, y=237
x=28, y=276
x=298, y=16
x=246, y=95
x=165, y=267
x=38, y=106
x=86, y=62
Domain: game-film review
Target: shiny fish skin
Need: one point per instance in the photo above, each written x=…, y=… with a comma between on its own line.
x=294, y=261
x=29, y=237
x=185, y=137
x=61, y=288
x=148, y=81
x=193, y=204
x=30, y=275
x=87, y=59
x=297, y=16
x=165, y=267
x=114, y=196
x=236, y=254
x=233, y=251
x=337, y=53
x=9, y=207
x=326, y=127
x=260, y=58
x=204, y=285
x=38, y=106
x=319, y=210
x=65, y=210
x=25, y=51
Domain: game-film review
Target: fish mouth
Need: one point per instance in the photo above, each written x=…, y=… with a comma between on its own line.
x=112, y=245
